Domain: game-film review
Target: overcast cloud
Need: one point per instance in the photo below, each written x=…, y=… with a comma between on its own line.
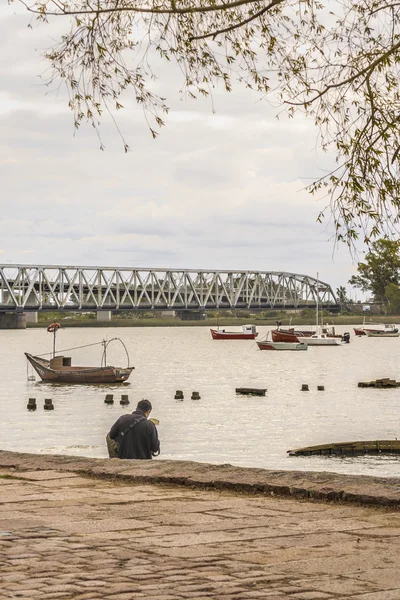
x=214, y=191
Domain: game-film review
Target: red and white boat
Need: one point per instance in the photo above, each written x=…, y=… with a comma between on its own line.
x=379, y=328
x=267, y=345
x=248, y=332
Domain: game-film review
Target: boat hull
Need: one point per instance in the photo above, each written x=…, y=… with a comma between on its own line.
x=281, y=346
x=358, y=331
x=350, y=448
x=232, y=335
x=322, y=342
x=380, y=334
x=78, y=374
x=318, y=341
x=284, y=335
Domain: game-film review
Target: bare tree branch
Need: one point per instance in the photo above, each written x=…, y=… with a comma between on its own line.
x=337, y=62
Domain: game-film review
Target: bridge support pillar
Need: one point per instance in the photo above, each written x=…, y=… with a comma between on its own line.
x=104, y=315
x=31, y=317
x=12, y=321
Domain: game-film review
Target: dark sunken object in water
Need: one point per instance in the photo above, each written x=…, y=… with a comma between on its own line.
x=251, y=391
x=380, y=383
x=349, y=448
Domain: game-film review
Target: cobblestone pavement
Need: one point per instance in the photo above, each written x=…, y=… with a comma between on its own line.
x=67, y=536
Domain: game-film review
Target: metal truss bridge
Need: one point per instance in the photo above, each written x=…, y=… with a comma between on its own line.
x=28, y=288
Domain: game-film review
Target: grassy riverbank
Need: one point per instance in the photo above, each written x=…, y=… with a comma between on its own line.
x=221, y=321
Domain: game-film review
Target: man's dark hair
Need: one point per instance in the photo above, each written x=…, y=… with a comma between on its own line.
x=144, y=405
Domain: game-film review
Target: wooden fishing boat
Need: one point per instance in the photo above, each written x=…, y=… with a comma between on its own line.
x=248, y=332
x=349, y=448
x=267, y=345
x=59, y=369
x=289, y=335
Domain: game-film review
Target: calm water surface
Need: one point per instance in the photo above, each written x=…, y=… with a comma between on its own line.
x=221, y=427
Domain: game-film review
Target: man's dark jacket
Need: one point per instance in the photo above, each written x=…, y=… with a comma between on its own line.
x=141, y=442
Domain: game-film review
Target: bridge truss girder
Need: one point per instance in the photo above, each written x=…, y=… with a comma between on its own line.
x=48, y=287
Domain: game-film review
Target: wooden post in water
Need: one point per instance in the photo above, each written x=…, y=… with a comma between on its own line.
x=31, y=404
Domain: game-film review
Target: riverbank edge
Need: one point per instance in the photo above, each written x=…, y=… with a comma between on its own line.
x=348, y=320
x=320, y=485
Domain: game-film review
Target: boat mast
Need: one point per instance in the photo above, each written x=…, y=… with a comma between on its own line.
x=317, y=305
x=53, y=329
x=104, y=342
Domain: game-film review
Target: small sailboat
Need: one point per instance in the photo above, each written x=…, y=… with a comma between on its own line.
x=318, y=338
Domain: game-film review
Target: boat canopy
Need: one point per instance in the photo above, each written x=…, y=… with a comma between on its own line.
x=249, y=328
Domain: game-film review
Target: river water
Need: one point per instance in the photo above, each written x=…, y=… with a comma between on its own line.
x=221, y=427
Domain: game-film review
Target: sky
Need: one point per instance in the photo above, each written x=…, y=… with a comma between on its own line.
x=222, y=187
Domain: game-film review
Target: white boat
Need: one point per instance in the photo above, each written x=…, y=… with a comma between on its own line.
x=321, y=339
x=267, y=345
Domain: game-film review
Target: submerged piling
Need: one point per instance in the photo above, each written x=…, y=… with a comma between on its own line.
x=109, y=399
x=124, y=399
x=195, y=396
x=320, y=388
x=48, y=404
x=31, y=404
x=304, y=387
x=179, y=395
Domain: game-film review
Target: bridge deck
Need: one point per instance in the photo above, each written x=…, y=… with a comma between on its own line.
x=49, y=287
